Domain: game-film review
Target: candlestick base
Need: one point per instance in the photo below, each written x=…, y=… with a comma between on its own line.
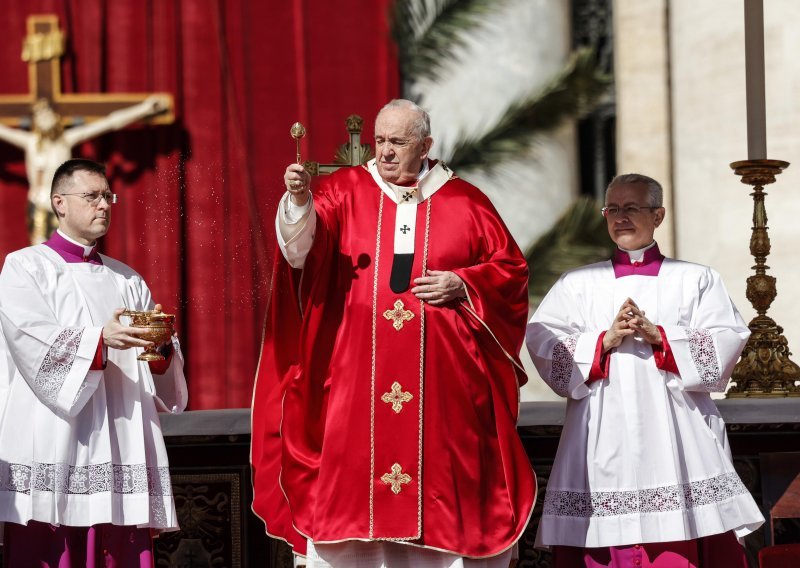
x=765, y=369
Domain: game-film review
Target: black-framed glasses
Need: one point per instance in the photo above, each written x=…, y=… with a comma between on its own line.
x=94, y=198
x=628, y=210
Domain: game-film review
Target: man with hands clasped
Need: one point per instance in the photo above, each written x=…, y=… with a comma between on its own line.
x=643, y=475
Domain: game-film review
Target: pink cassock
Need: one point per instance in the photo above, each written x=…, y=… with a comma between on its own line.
x=101, y=546
x=717, y=551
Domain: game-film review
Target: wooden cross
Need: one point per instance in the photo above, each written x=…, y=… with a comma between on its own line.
x=396, y=478
x=398, y=315
x=396, y=397
x=42, y=50
x=352, y=153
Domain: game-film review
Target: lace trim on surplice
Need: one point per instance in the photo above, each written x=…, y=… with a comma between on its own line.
x=704, y=357
x=64, y=479
x=57, y=364
x=85, y=479
x=677, y=497
x=563, y=363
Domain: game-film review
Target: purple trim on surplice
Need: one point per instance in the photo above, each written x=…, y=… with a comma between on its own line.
x=71, y=252
x=649, y=266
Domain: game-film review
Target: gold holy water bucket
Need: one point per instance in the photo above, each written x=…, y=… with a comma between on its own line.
x=159, y=326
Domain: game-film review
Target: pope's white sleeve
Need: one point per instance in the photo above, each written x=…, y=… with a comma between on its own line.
x=52, y=358
x=707, y=349
x=561, y=347
x=294, y=227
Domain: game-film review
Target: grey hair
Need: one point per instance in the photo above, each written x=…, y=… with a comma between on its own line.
x=654, y=191
x=422, y=126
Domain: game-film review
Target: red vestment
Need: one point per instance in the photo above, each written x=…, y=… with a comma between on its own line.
x=398, y=418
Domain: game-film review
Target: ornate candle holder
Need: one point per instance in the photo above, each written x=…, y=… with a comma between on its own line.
x=159, y=326
x=765, y=369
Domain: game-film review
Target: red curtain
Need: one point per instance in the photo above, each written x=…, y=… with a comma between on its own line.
x=198, y=198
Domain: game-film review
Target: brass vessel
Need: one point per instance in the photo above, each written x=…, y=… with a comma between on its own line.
x=160, y=327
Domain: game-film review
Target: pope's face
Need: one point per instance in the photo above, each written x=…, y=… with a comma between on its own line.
x=78, y=218
x=398, y=150
x=633, y=225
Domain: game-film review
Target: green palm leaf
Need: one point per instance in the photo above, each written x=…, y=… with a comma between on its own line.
x=573, y=92
x=429, y=33
x=579, y=237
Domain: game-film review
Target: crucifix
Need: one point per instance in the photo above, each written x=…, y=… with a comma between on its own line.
x=47, y=124
x=352, y=153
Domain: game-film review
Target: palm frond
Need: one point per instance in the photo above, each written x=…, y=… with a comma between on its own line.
x=428, y=33
x=572, y=93
x=579, y=237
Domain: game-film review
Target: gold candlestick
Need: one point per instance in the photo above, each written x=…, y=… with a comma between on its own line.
x=297, y=131
x=764, y=369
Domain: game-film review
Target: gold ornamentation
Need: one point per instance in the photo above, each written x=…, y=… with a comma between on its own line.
x=764, y=369
x=396, y=397
x=355, y=124
x=43, y=46
x=297, y=131
x=159, y=329
x=398, y=315
x=345, y=151
x=396, y=478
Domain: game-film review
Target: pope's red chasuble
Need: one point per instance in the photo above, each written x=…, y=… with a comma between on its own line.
x=378, y=416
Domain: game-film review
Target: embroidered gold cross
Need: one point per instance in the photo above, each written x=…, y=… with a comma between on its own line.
x=396, y=397
x=398, y=315
x=396, y=478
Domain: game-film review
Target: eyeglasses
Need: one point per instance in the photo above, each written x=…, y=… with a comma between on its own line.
x=94, y=198
x=628, y=210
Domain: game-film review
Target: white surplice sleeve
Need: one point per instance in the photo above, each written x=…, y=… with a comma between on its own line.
x=707, y=349
x=294, y=226
x=170, y=391
x=561, y=345
x=53, y=359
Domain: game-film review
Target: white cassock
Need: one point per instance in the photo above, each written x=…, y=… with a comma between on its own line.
x=643, y=455
x=79, y=447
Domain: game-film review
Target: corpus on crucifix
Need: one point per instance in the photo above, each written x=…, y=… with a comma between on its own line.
x=58, y=122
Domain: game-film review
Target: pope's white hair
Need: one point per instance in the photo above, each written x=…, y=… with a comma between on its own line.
x=422, y=125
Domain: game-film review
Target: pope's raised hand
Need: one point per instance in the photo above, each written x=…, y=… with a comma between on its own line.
x=297, y=181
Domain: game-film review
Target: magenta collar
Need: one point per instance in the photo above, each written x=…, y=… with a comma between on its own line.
x=71, y=252
x=649, y=266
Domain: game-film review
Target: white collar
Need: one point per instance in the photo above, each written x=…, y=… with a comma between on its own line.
x=638, y=254
x=428, y=181
x=87, y=249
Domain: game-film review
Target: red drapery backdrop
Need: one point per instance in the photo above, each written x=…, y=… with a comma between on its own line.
x=198, y=198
